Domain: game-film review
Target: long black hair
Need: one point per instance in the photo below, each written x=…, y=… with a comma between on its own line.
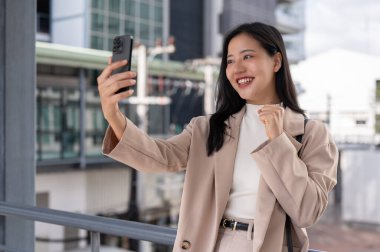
x=229, y=101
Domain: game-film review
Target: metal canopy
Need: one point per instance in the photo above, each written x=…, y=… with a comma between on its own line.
x=70, y=56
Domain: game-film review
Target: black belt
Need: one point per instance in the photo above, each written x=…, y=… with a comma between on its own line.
x=234, y=225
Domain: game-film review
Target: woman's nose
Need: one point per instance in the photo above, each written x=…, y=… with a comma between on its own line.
x=239, y=67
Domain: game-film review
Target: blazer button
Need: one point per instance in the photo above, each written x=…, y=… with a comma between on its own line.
x=186, y=245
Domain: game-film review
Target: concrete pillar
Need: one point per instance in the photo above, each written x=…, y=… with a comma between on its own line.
x=17, y=117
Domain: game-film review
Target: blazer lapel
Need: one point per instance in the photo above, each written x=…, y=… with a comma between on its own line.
x=224, y=162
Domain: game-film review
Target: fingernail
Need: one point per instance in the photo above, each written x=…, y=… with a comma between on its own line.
x=124, y=61
x=133, y=81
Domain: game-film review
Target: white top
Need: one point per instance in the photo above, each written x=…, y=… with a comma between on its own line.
x=242, y=201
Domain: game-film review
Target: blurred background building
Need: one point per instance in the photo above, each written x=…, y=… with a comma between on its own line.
x=286, y=15
x=74, y=41
x=197, y=26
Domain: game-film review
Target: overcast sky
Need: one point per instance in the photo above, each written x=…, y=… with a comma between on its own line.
x=349, y=24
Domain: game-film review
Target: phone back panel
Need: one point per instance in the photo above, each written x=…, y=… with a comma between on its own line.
x=122, y=49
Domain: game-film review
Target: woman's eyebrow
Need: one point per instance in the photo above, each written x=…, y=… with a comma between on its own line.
x=247, y=50
x=243, y=51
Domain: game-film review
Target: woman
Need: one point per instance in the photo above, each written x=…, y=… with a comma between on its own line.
x=245, y=171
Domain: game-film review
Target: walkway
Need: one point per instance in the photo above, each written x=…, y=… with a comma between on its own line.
x=332, y=235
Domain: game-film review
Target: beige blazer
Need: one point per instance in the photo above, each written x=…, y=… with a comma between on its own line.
x=288, y=184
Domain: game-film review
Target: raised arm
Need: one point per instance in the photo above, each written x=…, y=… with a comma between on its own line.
x=108, y=85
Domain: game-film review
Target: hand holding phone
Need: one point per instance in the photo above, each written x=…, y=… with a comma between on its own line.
x=122, y=50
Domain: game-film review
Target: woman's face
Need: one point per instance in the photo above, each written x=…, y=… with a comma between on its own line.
x=251, y=71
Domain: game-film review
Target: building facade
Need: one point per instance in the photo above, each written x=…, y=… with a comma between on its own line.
x=286, y=15
x=197, y=26
x=94, y=23
x=186, y=25
x=242, y=11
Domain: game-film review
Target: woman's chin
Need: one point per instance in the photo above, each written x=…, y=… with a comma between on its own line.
x=246, y=96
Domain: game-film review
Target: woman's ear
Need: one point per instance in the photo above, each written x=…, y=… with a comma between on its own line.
x=277, y=61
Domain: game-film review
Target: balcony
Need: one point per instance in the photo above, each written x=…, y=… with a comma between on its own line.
x=94, y=224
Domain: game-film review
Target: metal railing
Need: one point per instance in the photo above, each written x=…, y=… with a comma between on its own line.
x=94, y=224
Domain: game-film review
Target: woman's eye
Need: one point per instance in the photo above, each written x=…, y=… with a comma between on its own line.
x=248, y=56
x=229, y=62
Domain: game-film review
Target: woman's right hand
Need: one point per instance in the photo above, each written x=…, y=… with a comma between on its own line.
x=108, y=85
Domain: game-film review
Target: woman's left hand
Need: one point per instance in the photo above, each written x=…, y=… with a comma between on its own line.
x=272, y=117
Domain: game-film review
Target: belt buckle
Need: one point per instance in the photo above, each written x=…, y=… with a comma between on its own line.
x=232, y=220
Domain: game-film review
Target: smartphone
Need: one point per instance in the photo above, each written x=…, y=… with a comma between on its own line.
x=122, y=50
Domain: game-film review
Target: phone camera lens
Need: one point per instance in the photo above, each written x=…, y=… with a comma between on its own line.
x=117, y=45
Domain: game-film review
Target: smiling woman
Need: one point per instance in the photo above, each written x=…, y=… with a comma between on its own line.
x=254, y=70
x=248, y=174
x=250, y=70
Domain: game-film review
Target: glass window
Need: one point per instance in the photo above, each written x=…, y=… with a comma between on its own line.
x=110, y=44
x=360, y=122
x=157, y=32
x=158, y=2
x=72, y=120
x=96, y=125
x=144, y=11
x=129, y=27
x=57, y=118
x=158, y=14
x=130, y=8
x=144, y=31
x=113, y=25
x=97, y=22
x=114, y=6
x=43, y=21
x=97, y=42
x=377, y=124
x=158, y=119
x=43, y=122
x=98, y=4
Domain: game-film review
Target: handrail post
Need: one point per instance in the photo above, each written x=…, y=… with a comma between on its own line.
x=95, y=242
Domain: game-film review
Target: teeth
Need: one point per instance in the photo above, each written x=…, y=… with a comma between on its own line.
x=244, y=80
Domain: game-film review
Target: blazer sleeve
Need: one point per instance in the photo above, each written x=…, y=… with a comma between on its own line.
x=301, y=185
x=147, y=154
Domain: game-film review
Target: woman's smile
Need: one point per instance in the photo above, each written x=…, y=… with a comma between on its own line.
x=244, y=81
